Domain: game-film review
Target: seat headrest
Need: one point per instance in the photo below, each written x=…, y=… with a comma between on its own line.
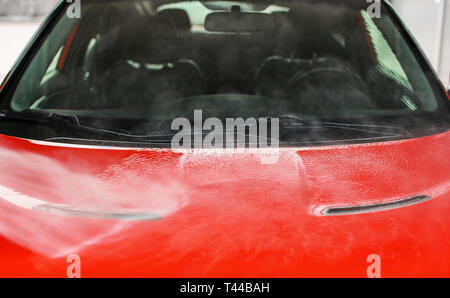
x=179, y=18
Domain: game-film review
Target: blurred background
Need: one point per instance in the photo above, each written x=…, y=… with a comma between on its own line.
x=428, y=20
x=19, y=19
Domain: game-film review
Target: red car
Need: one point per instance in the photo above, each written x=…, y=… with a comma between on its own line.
x=98, y=180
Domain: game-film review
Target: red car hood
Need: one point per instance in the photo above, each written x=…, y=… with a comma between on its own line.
x=209, y=213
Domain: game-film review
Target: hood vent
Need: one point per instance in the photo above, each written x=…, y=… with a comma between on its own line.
x=332, y=211
x=70, y=211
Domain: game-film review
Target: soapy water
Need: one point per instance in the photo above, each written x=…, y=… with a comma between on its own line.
x=53, y=210
x=79, y=208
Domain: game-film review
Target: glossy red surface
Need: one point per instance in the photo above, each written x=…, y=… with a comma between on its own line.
x=226, y=214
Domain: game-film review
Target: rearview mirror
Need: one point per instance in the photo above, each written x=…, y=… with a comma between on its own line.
x=238, y=22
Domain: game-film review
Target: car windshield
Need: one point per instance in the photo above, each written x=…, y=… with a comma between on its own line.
x=132, y=67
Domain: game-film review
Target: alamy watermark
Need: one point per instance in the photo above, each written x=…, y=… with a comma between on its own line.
x=374, y=9
x=374, y=269
x=74, y=9
x=74, y=269
x=238, y=135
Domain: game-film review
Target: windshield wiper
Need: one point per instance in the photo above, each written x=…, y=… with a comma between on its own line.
x=295, y=122
x=61, y=121
x=120, y=133
x=72, y=121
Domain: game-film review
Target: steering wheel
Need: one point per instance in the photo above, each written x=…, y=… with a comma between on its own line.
x=343, y=73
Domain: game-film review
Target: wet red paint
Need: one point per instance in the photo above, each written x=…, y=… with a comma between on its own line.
x=236, y=217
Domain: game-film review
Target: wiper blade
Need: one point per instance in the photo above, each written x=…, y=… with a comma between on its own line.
x=293, y=121
x=74, y=121
x=71, y=120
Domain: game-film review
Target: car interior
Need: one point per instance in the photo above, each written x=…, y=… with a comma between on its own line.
x=298, y=59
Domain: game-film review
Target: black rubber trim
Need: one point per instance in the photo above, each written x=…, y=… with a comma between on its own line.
x=332, y=211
